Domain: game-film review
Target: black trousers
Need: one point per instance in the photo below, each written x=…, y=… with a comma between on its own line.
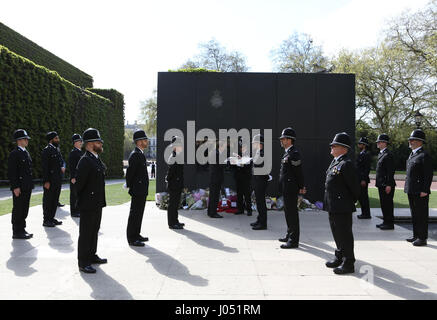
x=386, y=201
x=364, y=200
x=50, y=201
x=341, y=227
x=20, y=211
x=214, y=196
x=173, y=206
x=291, y=214
x=420, y=214
x=73, y=199
x=260, y=186
x=135, y=219
x=88, y=234
x=243, y=193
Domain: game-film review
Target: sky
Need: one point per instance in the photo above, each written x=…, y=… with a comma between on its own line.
x=124, y=44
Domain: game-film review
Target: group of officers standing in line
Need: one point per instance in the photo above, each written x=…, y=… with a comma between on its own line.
x=345, y=184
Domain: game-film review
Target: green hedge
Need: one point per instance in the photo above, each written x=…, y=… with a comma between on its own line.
x=30, y=50
x=39, y=100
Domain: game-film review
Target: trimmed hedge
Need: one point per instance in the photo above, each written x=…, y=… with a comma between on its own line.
x=39, y=100
x=30, y=50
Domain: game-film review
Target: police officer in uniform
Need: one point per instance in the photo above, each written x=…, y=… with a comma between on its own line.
x=418, y=186
x=341, y=192
x=175, y=184
x=291, y=183
x=260, y=184
x=21, y=179
x=73, y=160
x=52, y=171
x=216, y=177
x=243, y=178
x=137, y=180
x=90, y=184
x=363, y=168
x=385, y=182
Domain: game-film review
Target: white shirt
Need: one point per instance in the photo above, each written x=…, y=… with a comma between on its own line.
x=382, y=150
x=288, y=148
x=22, y=148
x=95, y=154
x=415, y=150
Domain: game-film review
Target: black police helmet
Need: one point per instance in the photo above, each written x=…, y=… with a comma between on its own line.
x=364, y=140
x=139, y=135
x=383, y=138
x=288, y=133
x=342, y=139
x=417, y=134
x=20, y=134
x=76, y=137
x=91, y=134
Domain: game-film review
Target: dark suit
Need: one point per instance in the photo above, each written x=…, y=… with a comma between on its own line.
x=290, y=181
x=216, y=176
x=243, y=177
x=385, y=171
x=137, y=180
x=175, y=184
x=20, y=176
x=52, y=163
x=260, y=187
x=363, y=169
x=90, y=184
x=341, y=192
x=418, y=179
x=73, y=160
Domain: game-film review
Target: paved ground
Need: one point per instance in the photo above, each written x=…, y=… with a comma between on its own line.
x=212, y=259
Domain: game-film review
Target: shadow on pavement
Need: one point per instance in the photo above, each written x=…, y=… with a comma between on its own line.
x=21, y=265
x=104, y=287
x=205, y=241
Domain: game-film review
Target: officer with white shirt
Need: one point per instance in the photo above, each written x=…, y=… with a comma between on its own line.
x=418, y=186
x=21, y=180
x=385, y=182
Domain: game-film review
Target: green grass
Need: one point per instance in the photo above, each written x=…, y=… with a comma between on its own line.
x=399, y=172
x=115, y=195
x=400, y=199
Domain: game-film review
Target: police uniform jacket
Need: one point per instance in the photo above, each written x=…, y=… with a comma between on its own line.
x=341, y=186
x=217, y=169
x=290, y=174
x=137, y=177
x=419, y=173
x=259, y=154
x=175, y=175
x=385, y=169
x=20, y=170
x=52, y=163
x=73, y=160
x=363, y=166
x=90, y=183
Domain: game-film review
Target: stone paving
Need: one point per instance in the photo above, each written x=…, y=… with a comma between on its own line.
x=212, y=259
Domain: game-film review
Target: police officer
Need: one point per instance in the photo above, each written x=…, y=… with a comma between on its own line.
x=216, y=176
x=260, y=184
x=137, y=180
x=21, y=179
x=418, y=186
x=291, y=183
x=363, y=168
x=243, y=178
x=385, y=182
x=73, y=160
x=341, y=192
x=52, y=171
x=90, y=184
x=175, y=183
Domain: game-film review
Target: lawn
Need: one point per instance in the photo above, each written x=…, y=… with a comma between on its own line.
x=400, y=199
x=115, y=195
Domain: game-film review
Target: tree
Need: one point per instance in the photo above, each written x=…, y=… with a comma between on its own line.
x=299, y=54
x=214, y=56
x=148, y=114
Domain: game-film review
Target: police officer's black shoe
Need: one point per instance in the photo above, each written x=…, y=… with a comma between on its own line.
x=259, y=227
x=290, y=245
x=99, y=260
x=285, y=239
x=181, y=224
x=143, y=239
x=75, y=215
x=56, y=222
x=345, y=268
x=387, y=227
x=379, y=225
x=334, y=263
x=48, y=224
x=363, y=216
x=176, y=226
x=419, y=243
x=136, y=243
x=22, y=235
x=60, y=204
x=411, y=239
x=254, y=223
x=87, y=269
x=215, y=215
